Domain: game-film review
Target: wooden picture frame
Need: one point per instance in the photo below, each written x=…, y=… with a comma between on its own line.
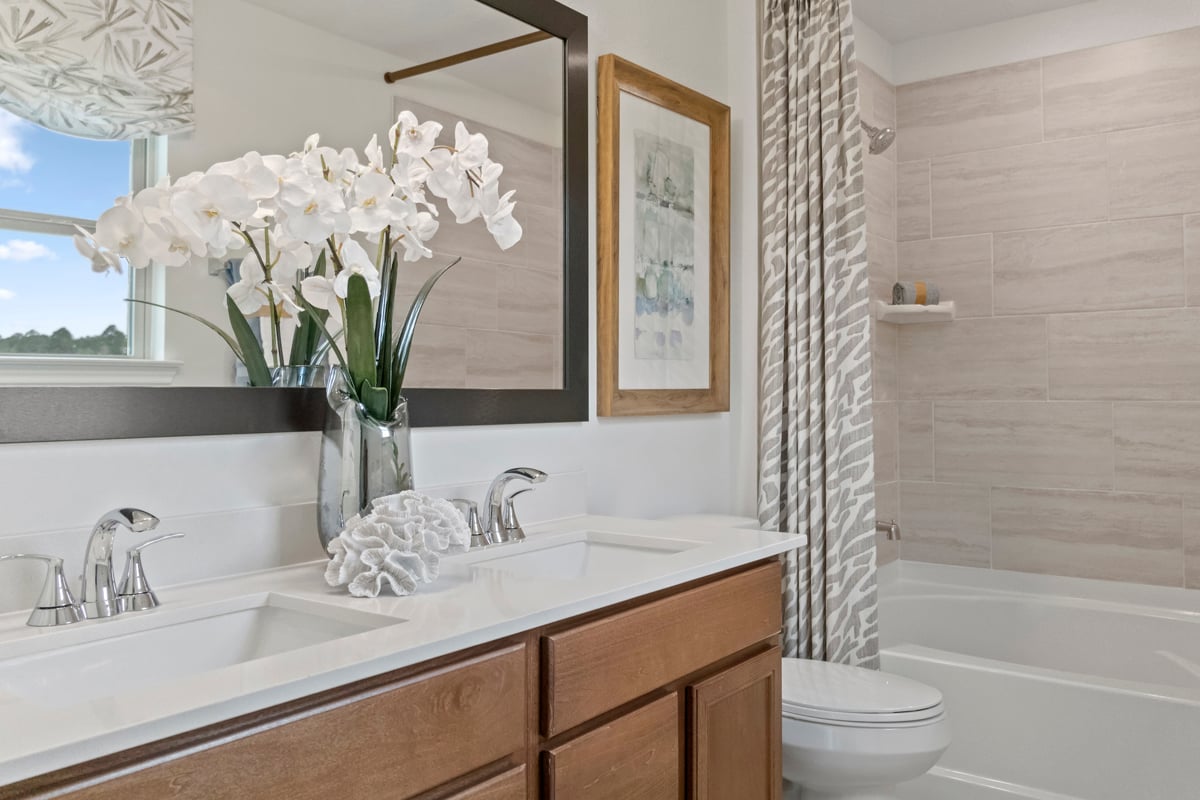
x=652, y=350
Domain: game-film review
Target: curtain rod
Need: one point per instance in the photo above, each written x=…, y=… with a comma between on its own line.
x=468, y=55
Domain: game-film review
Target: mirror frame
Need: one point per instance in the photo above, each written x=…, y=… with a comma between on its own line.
x=69, y=413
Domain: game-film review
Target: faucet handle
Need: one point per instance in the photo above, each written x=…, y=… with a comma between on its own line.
x=135, y=593
x=508, y=517
x=470, y=511
x=56, y=605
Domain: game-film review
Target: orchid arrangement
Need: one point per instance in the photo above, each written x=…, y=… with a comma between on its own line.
x=321, y=234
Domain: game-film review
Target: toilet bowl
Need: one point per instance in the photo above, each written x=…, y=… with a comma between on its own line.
x=852, y=734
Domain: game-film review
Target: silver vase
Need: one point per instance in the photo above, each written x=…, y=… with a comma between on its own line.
x=362, y=459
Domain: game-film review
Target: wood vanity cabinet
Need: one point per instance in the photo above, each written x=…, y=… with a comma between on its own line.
x=674, y=696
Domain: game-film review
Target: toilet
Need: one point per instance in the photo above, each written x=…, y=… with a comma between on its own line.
x=851, y=733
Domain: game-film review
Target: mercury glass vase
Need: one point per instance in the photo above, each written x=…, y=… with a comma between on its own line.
x=362, y=458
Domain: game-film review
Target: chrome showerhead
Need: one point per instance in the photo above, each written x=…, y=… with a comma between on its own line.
x=881, y=138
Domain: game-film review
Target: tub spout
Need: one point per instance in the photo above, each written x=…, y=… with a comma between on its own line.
x=891, y=528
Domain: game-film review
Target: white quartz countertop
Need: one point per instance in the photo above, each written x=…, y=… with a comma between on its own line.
x=470, y=604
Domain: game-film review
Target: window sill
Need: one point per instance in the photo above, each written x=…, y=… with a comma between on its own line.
x=18, y=370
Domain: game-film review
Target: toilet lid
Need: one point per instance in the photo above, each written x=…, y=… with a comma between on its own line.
x=841, y=693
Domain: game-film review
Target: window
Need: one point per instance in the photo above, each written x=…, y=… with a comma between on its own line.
x=51, y=302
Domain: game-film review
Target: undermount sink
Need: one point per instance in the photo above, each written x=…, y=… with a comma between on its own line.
x=577, y=554
x=101, y=659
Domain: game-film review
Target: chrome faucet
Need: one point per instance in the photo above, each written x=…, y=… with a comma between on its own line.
x=98, y=590
x=500, y=522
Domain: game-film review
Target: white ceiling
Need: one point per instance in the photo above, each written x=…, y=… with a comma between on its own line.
x=417, y=31
x=902, y=20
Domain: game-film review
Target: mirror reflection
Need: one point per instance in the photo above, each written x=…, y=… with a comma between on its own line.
x=286, y=70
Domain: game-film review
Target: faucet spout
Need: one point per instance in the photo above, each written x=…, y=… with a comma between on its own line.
x=494, y=502
x=98, y=590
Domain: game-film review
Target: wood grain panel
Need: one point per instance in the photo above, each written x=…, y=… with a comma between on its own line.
x=634, y=757
x=509, y=786
x=736, y=731
x=646, y=647
x=390, y=743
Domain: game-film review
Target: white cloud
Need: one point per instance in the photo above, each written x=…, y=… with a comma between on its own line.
x=7, y=294
x=23, y=250
x=13, y=156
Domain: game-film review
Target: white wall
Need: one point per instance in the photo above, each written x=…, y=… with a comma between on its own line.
x=637, y=467
x=1063, y=30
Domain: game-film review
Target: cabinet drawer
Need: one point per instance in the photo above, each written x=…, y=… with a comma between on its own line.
x=392, y=742
x=634, y=757
x=509, y=786
x=600, y=665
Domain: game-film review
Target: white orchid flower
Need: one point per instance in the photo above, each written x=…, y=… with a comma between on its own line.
x=374, y=154
x=257, y=179
x=355, y=261
x=102, y=260
x=320, y=214
x=373, y=209
x=120, y=230
x=412, y=138
x=172, y=244
x=470, y=149
x=253, y=291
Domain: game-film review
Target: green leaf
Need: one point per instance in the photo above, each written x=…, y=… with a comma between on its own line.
x=405, y=338
x=252, y=352
x=315, y=315
x=360, y=333
x=233, y=345
x=375, y=400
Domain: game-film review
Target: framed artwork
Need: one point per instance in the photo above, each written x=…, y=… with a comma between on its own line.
x=662, y=236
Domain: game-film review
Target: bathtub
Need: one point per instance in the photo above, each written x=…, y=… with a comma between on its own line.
x=1057, y=688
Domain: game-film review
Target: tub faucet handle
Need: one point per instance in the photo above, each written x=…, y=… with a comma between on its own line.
x=135, y=593
x=56, y=605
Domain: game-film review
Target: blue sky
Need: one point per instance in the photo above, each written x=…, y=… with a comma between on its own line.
x=44, y=283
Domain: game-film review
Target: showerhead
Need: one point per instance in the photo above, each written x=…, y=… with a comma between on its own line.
x=881, y=138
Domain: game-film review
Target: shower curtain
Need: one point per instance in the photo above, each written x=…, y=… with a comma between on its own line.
x=816, y=468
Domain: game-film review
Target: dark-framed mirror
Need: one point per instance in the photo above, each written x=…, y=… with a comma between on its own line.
x=504, y=342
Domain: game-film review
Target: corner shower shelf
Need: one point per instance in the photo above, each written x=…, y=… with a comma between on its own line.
x=910, y=314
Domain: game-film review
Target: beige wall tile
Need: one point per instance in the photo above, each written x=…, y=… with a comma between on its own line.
x=945, y=523
x=504, y=360
x=1131, y=84
x=915, y=434
x=880, y=177
x=1125, y=355
x=974, y=359
x=540, y=246
x=1029, y=186
x=1191, y=542
x=885, y=339
x=977, y=110
x=887, y=508
x=1155, y=171
x=877, y=101
x=912, y=201
x=1157, y=447
x=530, y=301
x=886, y=438
x=960, y=266
x=1035, y=445
x=464, y=296
x=1191, y=254
x=438, y=359
x=1115, y=537
x=881, y=266
x=1108, y=265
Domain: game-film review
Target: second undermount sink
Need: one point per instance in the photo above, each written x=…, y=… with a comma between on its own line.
x=578, y=554
x=93, y=660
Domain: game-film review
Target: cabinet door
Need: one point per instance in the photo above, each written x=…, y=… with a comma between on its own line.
x=735, y=733
x=509, y=786
x=634, y=757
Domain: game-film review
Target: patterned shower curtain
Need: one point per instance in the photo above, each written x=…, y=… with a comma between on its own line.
x=816, y=468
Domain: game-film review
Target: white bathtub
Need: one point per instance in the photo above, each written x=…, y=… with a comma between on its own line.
x=1057, y=688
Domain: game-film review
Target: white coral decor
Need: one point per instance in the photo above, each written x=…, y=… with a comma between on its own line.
x=400, y=542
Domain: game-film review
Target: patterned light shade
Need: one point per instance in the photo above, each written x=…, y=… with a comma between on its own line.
x=101, y=69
